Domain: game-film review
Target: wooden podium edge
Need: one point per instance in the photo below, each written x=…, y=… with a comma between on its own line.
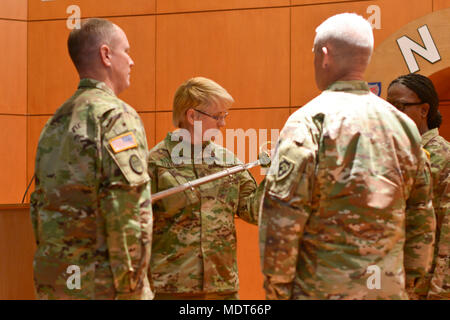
x=17, y=206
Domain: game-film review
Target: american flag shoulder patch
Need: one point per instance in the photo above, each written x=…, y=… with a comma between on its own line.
x=123, y=142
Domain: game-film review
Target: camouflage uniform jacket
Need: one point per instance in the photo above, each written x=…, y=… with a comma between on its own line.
x=439, y=150
x=194, y=236
x=91, y=207
x=348, y=174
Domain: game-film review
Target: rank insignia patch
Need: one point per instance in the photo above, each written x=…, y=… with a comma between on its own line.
x=123, y=142
x=284, y=168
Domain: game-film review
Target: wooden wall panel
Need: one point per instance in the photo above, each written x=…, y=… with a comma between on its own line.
x=164, y=6
x=13, y=146
x=149, y=124
x=13, y=65
x=39, y=10
x=245, y=51
x=249, y=266
x=441, y=82
x=163, y=124
x=141, y=36
x=312, y=2
x=17, y=246
x=444, y=130
x=440, y=4
x=306, y=19
x=13, y=9
x=52, y=77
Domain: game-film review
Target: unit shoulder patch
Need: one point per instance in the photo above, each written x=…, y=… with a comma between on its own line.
x=285, y=167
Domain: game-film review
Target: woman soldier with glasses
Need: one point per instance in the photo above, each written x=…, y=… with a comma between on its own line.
x=415, y=95
x=194, y=236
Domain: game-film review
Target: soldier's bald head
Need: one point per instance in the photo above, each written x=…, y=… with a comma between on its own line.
x=343, y=46
x=347, y=29
x=84, y=43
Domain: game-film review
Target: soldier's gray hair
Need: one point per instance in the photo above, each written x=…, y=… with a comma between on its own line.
x=198, y=92
x=348, y=28
x=85, y=41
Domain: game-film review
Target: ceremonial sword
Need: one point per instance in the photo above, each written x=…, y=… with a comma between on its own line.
x=264, y=160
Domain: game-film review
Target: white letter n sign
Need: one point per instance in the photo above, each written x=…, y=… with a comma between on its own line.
x=429, y=51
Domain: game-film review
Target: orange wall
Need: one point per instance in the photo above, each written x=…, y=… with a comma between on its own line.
x=259, y=50
x=13, y=9
x=17, y=248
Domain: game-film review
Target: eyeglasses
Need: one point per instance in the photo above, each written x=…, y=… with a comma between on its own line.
x=217, y=118
x=403, y=105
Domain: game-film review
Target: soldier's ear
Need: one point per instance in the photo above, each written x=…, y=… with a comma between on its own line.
x=326, y=57
x=424, y=108
x=190, y=116
x=105, y=55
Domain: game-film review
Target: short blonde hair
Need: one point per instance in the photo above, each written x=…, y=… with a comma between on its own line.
x=196, y=92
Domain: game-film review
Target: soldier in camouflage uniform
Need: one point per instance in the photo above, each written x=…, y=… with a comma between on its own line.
x=91, y=208
x=194, y=236
x=348, y=174
x=416, y=96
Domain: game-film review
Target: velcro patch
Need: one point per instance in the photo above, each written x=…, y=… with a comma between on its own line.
x=123, y=142
x=136, y=164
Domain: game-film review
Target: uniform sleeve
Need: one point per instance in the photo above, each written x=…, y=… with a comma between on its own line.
x=249, y=195
x=153, y=174
x=420, y=232
x=440, y=281
x=285, y=211
x=35, y=199
x=126, y=206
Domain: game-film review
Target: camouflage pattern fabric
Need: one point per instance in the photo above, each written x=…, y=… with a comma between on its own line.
x=194, y=235
x=204, y=296
x=439, y=150
x=91, y=207
x=348, y=175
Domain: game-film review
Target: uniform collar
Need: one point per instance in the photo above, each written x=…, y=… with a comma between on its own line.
x=354, y=85
x=429, y=135
x=173, y=139
x=91, y=83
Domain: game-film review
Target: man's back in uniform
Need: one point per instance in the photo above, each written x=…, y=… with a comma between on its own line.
x=347, y=177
